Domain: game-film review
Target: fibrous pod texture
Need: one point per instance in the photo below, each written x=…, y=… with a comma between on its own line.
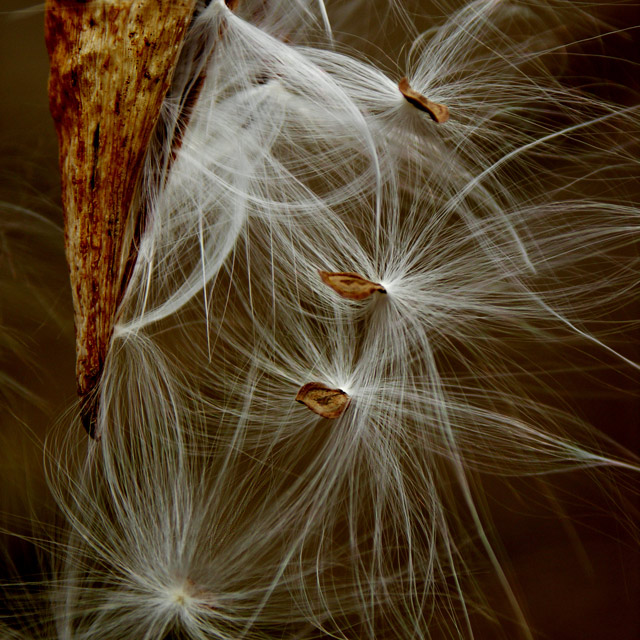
x=111, y=67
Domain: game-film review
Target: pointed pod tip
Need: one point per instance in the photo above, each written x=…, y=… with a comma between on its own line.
x=323, y=400
x=89, y=415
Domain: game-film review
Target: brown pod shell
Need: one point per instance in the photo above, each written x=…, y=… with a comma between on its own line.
x=351, y=285
x=437, y=112
x=323, y=400
x=111, y=66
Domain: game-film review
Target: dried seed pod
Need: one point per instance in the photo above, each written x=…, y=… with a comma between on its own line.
x=326, y=402
x=438, y=112
x=111, y=66
x=351, y=285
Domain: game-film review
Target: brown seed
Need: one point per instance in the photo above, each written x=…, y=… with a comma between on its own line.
x=326, y=402
x=351, y=285
x=438, y=112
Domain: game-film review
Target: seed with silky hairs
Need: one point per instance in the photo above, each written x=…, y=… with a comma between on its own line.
x=438, y=112
x=326, y=402
x=351, y=285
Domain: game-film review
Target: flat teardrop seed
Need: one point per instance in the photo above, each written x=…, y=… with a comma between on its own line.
x=351, y=285
x=437, y=112
x=323, y=400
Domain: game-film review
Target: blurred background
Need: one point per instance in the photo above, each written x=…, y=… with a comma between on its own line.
x=569, y=543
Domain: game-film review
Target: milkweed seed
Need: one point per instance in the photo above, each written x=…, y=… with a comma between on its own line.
x=326, y=402
x=438, y=112
x=351, y=285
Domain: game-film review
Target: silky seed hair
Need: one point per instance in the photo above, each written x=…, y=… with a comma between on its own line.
x=344, y=315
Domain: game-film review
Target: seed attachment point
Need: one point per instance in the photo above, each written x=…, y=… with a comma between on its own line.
x=437, y=112
x=351, y=285
x=326, y=402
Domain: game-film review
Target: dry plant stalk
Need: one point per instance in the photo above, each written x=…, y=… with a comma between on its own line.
x=351, y=285
x=326, y=402
x=438, y=112
x=111, y=66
